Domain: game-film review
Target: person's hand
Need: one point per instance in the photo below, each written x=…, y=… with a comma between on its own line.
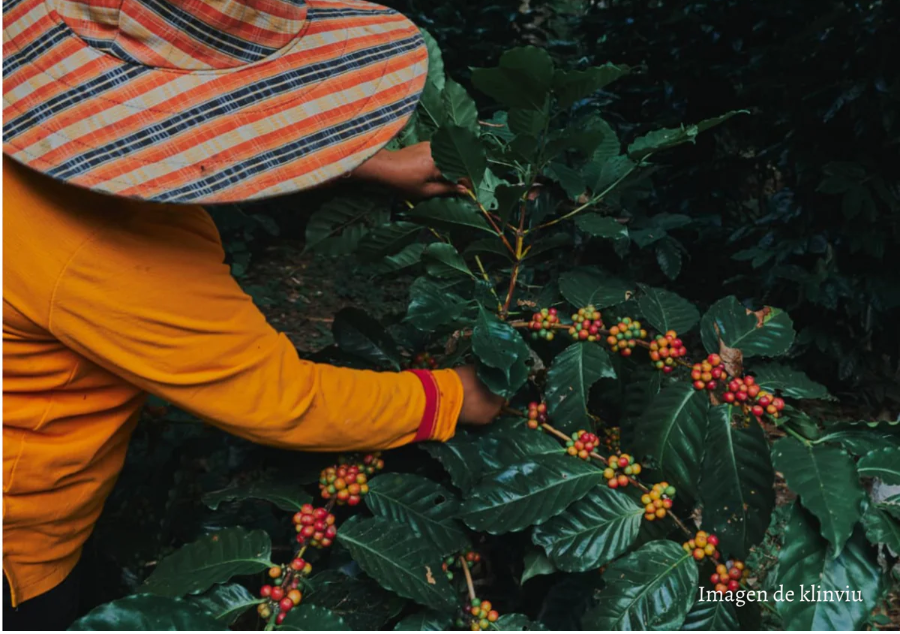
x=411, y=171
x=480, y=405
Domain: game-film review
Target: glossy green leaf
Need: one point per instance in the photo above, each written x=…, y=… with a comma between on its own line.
x=488, y=245
x=408, y=256
x=146, y=612
x=522, y=79
x=574, y=85
x=671, y=137
x=460, y=457
x=431, y=306
x=668, y=256
x=435, y=60
x=737, y=482
x=421, y=504
x=603, y=176
x=358, y=600
x=529, y=493
x=496, y=343
x=288, y=497
x=882, y=527
x=666, y=311
x=459, y=154
x=387, y=240
x=442, y=260
x=536, y=564
x=312, y=618
x=825, y=479
x=653, y=588
x=356, y=332
x=788, y=382
x=459, y=107
x=511, y=442
x=226, y=602
x=569, y=382
x=883, y=464
x=518, y=623
x=859, y=442
x=568, y=178
x=426, y=621
x=449, y=213
x=338, y=226
x=739, y=329
x=601, y=226
x=591, y=532
x=807, y=564
x=212, y=559
x=673, y=431
x=528, y=121
x=398, y=560
x=711, y=616
x=589, y=285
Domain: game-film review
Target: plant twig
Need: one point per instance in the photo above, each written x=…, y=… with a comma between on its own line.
x=799, y=437
x=490, y=284
x=469, y=584
x=490, y=220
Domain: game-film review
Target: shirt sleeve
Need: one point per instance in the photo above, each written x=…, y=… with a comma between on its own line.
x=150, y=300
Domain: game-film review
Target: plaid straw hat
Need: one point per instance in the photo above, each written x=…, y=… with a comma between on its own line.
x=204, y=101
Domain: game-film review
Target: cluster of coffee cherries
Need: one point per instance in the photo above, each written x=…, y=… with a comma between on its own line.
x=582, y=444
x=283, y=593
x=624, y=335
x=658, y=501
x=665, y=350
x=471, y=557
x=542, y=323
x=481, y=614
x=586, y=324
x=315, y=526
x=728, y=576
x=423, y=361
x=744, y=390
x=626, y=463
x=703, y=545
x=347, y=482
x=706, y=375
x=612, y=437
x=537, y=415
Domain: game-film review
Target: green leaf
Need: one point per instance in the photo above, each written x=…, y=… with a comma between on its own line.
x=883, y=464
x=569, y=179
x=737, y=483
x=450, y=213
x=602, y=174
x=146, y=612
x=805, y=561
x=666, y=311
x=791, y=383
x=859, y=442
x=601, y=226
x=212, y=559
x=431, y=306
x=650, y=589
x=488, y=245
x=574, y=85
x=711, y=616
x=496, y=343
x=312, y=618
x=423, y=505
x=360, y=601
x=881, y=528
x=510, y=442
x=337, y=227
x=505, y=383
x=536, y=564
x=522, y=80
x=670, y=137
x=569, y=382
x=442, y=260
x=590, y=285
x=460, y=457
x=400, y=561
x=435, y=60
x=673, y=431
x=528, y=121
x=528, y=494
x=409, y=256
x=356, y=332
x=387, y=240
x=508, y=197
x=287, y=497
x=459, y=154
x=668, y=257
x=518, y=623
x=738, y=329
x=460, y=107
x=592, y=532
x=825, y=479
x=226, y=602
x=427, y=621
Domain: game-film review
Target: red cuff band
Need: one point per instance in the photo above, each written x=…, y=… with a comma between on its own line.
x=432, y=405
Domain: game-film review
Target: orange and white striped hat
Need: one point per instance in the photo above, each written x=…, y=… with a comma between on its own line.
x=204, y=101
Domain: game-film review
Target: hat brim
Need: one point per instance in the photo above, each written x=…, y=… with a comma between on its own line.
x=315, y=110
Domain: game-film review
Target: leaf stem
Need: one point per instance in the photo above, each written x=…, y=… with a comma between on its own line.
x=490, y=219
x=488, y=280
x=786, y=427
x=469, y=584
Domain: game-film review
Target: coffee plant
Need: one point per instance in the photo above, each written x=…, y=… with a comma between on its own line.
x=635, y=463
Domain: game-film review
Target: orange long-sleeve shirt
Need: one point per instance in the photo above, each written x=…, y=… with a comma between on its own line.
x=106, y=300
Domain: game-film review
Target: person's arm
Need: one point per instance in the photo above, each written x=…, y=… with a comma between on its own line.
x=154, y=304
x=410, y=170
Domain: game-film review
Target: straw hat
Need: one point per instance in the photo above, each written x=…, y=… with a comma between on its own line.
x=204, y=101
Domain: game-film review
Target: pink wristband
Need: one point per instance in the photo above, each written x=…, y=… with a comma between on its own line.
x=432, y=405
